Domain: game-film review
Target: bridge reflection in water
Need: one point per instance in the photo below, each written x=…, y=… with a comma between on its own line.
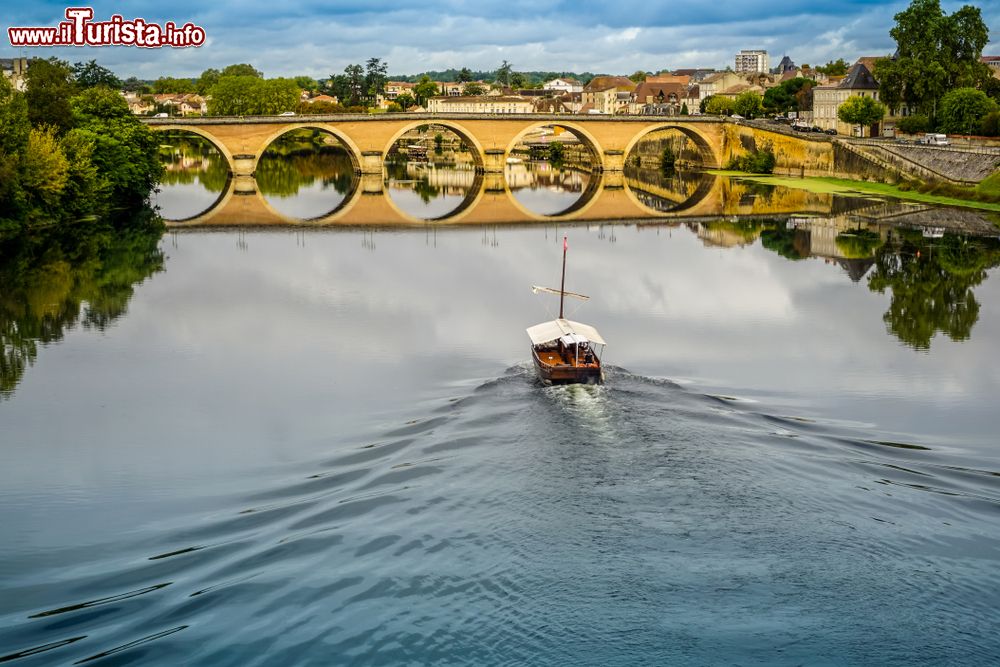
x=490, y=198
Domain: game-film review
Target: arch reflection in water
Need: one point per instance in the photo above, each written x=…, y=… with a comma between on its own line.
x=195, y=178
x=306, y=174
x=669, y=191
x=431, y=174
x=549, y=171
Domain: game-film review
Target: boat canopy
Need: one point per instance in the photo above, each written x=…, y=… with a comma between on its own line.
x=546, y=332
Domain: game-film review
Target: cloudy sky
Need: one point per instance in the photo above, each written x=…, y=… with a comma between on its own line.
x=291, y=37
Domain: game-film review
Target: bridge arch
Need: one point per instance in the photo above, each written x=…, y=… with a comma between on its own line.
x=588, y=139
x=352, y=148
x=217, y=144
x=701, y=142
x=469, y=137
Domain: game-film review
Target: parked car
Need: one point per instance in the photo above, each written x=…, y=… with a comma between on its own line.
x=817, y=128
x=160, y=115
x=287, y=113
x=831, y=131
x=801, y=128
x=736, y=116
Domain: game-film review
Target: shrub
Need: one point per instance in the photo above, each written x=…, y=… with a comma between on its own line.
x=989, y=126
x=915, y=124
x=758, y=162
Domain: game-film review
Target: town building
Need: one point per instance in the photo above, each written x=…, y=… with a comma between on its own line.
x=480, y=104
x=601, y=95
x=827, y=99
x=394, y=89
x=752, y=60
x=732, y=84
x=993, y=62
x=660, y=99
x=15, y=70
x=332, y=99
x=786, y=65
x=696, y=75
x=139, y=105
x=182, y=104
x=563, y=85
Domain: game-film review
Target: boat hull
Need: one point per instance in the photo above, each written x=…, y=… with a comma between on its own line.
x=562, y=373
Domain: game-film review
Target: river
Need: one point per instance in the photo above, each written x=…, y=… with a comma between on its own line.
x=298, y=445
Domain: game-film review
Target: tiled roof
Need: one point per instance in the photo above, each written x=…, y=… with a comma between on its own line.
x=859, y=78
x=606, y=82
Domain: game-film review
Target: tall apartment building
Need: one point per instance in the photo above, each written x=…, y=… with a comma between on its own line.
x=752, y=61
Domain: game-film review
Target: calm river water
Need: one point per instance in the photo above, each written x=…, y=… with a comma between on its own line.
x=327, y=446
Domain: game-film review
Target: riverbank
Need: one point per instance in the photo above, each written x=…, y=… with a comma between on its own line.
x=830, y=185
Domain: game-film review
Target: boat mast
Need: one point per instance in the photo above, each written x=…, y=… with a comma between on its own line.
x=562, y=286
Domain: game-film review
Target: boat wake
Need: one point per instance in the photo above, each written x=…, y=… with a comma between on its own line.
x=491, y=520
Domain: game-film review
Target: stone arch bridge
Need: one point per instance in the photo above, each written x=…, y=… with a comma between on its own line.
x=490, y=137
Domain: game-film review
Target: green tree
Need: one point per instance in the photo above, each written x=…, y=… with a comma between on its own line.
x=405, y=101
x=376, y=74
x=936, y=52
x=784, y=97
x=425, y=89
x=684, y=110
x=338, y=86
x=250, y=96
x=863, y=111
x=124, y=150
x=748, y=104
x=989, y=126
x=718, y=104
x=637, y=76
x=836, y=67
x=517, y=80
x=91, y=74
x=503, y=74
x=44, y=169
x=318, y=108
x=134, y=85
x=963, y=109
x=306, y=83
x=915, y=124
x=242, y=69
x=86, y=192
x=474, y=89
x=208, y=78
x=464, y=75
x=14, y=123
x=355, y=85
x=169, y=85
x=14, y=130
x=50, y=87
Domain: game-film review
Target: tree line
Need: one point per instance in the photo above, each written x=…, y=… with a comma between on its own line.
x=70, y=149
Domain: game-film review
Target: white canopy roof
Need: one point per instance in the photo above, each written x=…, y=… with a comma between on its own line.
x=546, y=332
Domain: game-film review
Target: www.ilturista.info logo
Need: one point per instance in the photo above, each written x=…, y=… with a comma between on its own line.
x=80, y=30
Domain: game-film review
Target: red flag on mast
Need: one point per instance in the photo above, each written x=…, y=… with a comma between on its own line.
x=565, y=244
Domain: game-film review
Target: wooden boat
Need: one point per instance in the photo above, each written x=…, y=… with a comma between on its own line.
x=566, y=352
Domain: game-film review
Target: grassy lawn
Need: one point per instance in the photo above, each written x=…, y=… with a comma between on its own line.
x=825, y=184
